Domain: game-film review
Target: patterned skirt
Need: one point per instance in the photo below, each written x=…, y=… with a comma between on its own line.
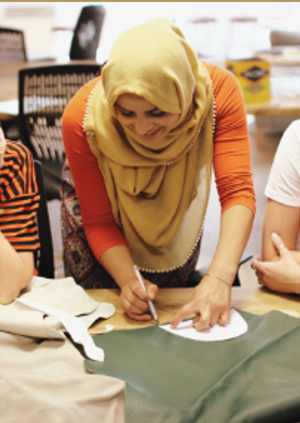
x=80, y=262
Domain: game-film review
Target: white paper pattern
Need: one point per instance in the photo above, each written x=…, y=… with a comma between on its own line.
x=237, y=327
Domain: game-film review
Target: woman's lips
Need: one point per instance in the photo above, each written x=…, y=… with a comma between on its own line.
x=152, y=134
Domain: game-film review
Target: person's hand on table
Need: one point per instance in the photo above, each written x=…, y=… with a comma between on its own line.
x=282, y=275
x=135, y=299
x=210, y=302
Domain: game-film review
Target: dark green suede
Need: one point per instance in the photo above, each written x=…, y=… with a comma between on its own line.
x=252, y=378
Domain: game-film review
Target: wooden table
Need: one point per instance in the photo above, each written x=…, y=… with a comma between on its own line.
x=9, y=74
x=256, y=300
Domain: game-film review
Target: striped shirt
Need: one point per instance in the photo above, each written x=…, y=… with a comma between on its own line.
x=19, y=198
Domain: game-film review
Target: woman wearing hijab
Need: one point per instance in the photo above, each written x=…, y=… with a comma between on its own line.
x=141, y=141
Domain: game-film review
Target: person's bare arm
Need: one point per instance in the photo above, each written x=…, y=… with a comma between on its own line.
x=16, y=271
x=283, y=220
x=211, y=299
x=279, y=270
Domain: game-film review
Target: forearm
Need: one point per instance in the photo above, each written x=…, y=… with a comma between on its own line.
x=16, y=271
x=284, y=221
x=118, y=262
x=236, y=224
x=211, y=298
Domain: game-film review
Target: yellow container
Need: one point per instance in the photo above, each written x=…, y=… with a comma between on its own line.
x=254, y=77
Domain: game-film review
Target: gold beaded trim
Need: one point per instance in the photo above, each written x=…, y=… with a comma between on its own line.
x=87, y=106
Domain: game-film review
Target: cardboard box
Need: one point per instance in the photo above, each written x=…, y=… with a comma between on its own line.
x=254, y=77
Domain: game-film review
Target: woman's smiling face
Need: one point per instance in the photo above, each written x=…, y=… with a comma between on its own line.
x=144, y=119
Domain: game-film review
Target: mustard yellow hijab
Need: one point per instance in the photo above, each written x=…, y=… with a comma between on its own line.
x=158, y=193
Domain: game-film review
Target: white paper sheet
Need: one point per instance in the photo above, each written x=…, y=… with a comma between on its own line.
x=237, y=327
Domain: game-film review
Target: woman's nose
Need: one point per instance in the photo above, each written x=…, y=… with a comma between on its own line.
x=142, y=126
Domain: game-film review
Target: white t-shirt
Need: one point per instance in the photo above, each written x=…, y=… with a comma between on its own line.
x=284, y=180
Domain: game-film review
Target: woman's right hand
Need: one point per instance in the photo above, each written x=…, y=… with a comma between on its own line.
x=135, y=299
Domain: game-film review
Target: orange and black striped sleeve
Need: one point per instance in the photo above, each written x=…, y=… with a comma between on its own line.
x=19, y=198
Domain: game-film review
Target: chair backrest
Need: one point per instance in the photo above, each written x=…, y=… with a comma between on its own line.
x=43, y=94
x=284, y=38
x=12, y=46
x=45, y=259
x=87, y=33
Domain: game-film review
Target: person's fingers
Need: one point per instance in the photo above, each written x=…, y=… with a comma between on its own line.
x=224, y=318
x=254, y=262
x=196, y=319
x=260, y=281
x=256, y=266
x=207, y=318
x=278, y=243
x=146, y=293
x=132, y=302
x=258, y=274
x=140, y=317
x=184, y=312
x=152, y=291
x=134, y=307
x=136, y=290
x=203, y=320
x=134, y=299
x=214, y=316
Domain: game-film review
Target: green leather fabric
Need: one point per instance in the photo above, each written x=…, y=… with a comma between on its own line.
x=169, y=379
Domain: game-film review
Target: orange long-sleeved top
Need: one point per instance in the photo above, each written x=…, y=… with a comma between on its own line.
x=232, y=159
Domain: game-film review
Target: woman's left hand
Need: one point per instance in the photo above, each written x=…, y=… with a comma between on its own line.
x=210, y=303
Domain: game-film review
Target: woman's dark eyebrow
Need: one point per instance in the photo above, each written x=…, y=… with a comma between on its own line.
x=123, y=108
x=147, y=111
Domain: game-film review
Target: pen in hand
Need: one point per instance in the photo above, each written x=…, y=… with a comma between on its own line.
x=150, y=303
